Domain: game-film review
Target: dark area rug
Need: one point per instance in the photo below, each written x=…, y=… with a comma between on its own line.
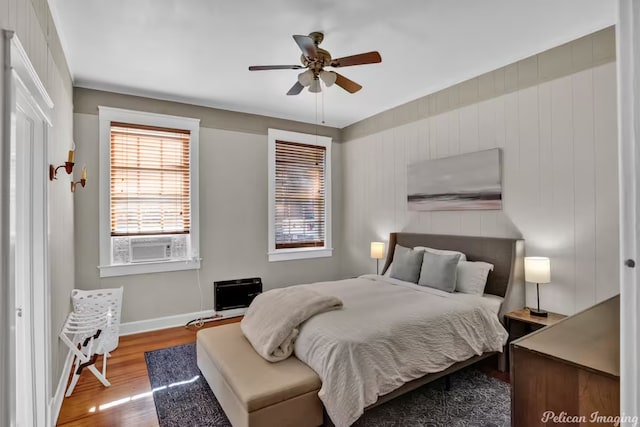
x=183, y=398
x=180, y=400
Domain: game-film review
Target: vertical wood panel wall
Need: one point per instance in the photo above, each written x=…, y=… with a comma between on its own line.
x=559, y=142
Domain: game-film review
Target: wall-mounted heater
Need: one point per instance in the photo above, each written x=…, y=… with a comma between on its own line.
x=231, y=298
x=238, y=293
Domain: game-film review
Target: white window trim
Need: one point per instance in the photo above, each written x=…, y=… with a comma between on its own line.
x=298, y=253
x=108, y=115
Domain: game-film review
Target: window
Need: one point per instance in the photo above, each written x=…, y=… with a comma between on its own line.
x=299, y=196
x=149, y=180
x=148, y=192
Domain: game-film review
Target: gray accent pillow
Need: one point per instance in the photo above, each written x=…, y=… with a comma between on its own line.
x=406, y=264
x=439, y=271
x=472, y=277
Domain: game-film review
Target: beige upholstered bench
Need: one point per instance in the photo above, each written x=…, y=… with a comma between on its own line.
x=252, y=391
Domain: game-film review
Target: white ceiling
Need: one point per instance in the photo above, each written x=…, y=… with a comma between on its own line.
x=198, y=51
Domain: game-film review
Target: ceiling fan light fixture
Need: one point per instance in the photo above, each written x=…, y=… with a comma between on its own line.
x=313, y=61
x=315, y=87
x=306, y=78
x=328, y=77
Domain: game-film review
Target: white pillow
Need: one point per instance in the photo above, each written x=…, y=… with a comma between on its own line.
x=463, y=257
x=472, y=277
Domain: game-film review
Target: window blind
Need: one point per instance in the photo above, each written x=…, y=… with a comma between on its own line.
x=150, y=180
x=300, y=195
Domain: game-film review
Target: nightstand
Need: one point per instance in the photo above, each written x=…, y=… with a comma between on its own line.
x=524, y=323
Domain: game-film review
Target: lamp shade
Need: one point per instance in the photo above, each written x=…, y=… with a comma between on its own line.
x=328, y=77
x=315, y=87
x=377, y=250
x=305, y=78
x=537, y=269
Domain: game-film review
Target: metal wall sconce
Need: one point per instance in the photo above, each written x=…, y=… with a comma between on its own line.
x=68, y=166
x=83, y=180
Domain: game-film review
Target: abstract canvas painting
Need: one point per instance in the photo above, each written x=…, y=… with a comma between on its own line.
x=463, y=182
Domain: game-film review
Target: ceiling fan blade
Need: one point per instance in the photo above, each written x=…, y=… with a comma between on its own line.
x=295, y=89
x=307, y=46
x=346, y=84
x=274, y=67
x=360, y=59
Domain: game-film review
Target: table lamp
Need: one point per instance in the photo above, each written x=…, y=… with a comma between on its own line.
x=537, y=270
x=377, y=253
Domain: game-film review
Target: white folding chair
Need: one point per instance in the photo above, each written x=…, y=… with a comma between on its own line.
x=101, y=301
x=92, y=328
x=84, y=334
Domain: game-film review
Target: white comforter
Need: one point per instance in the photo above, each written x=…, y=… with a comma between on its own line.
x=272, y=320
x=388, y=333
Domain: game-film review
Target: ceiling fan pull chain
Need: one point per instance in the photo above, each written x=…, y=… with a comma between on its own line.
x=316, y=117
x=323, y=107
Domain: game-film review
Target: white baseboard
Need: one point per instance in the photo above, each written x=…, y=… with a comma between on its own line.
x=148, y=325
x=58, y=397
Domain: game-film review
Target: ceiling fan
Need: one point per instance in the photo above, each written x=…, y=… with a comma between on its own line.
x=314, y=59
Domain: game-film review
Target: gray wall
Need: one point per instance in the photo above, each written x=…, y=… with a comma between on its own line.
x=34, y=26
x=554, y=116
x=233, y=209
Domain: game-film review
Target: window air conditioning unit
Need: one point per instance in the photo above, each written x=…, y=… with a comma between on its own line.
x=132, y=249
x=151, y=249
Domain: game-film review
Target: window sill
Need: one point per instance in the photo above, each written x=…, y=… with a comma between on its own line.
x=300, y=253
x=148, y=267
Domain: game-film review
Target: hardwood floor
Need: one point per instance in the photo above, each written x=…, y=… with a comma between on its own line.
x=128, y=402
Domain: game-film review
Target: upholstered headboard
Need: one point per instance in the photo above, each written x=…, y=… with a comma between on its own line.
x=507, y=256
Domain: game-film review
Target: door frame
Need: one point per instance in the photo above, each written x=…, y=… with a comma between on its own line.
x=23, y=86
x=628, y=54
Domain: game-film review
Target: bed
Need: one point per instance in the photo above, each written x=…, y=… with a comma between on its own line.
x=365, y=354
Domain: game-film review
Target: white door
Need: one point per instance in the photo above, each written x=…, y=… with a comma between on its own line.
x=29, y=120
x=628, y=42
x=29, y=254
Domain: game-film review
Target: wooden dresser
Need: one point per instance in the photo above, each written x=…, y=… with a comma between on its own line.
x=569, y=369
